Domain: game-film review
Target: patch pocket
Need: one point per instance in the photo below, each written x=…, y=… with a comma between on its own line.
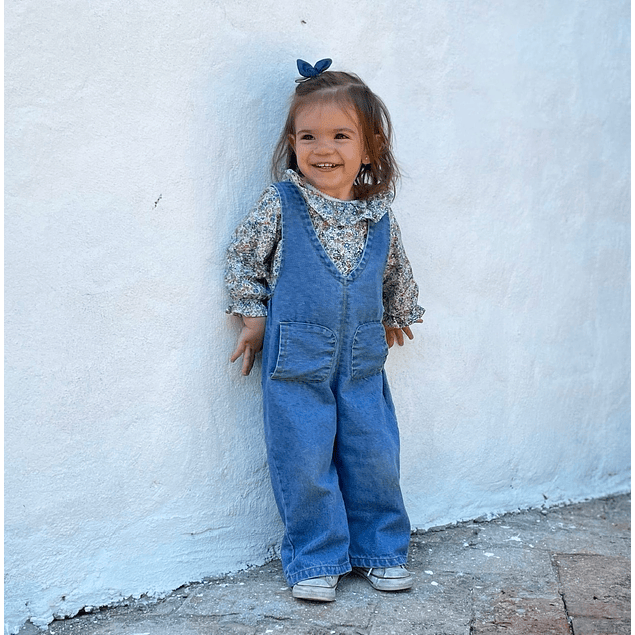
x=369, y=350
x=305, y=353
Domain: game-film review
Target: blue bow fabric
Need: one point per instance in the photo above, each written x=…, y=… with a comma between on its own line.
x=307, y=71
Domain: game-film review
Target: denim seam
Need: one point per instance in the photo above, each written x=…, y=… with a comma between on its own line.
x=317, y=571
x=293, y=192
x=361, y=265
x=394, y=561
x=282, y=346
x=283, y=244
x=375, y=557
x=283, y=507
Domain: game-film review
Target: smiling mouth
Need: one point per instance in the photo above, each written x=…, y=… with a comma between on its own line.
x=325, y=166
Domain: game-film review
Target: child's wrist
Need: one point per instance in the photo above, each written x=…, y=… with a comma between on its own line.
x=254, y=320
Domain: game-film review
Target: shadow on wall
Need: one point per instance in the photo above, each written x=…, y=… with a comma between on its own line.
x=240, y=107
x=242, y=115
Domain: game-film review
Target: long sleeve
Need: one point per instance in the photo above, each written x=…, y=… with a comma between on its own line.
x=254, y=260
x=400, y=291
x=250, y=257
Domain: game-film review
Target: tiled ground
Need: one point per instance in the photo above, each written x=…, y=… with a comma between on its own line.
x=563, y=571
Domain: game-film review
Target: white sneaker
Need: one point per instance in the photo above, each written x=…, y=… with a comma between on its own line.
x=387, y=579
x=320, y=589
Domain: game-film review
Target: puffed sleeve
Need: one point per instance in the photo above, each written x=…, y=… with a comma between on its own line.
x=250, y=257
x=400, y=292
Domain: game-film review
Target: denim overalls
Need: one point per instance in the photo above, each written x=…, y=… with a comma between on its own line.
x=330, y=426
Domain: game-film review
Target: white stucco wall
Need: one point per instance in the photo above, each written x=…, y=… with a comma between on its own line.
x=137, y=135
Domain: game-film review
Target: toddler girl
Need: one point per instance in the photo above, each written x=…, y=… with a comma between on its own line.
x=318, y=273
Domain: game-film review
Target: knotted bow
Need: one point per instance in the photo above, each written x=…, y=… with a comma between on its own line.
x=307, y=71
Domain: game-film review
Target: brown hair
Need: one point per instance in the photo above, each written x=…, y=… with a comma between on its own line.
x=348, y=90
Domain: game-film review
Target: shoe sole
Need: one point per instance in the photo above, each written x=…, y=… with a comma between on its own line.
x=313, y=593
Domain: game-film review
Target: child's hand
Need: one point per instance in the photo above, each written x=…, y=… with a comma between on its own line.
x=395, y=333
x=249, y=342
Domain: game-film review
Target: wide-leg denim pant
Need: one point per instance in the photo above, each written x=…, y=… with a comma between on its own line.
x=330, y=426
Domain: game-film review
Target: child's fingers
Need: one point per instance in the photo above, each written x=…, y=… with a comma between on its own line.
x=408, y=332
x=249, y=355
x=248, y=360
x=237, y=353
x=396, y=334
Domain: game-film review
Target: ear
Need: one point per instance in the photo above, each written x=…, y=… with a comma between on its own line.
x=291, y=139
x=366, y=159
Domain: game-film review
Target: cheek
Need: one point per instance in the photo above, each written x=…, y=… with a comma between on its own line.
x=300, y=156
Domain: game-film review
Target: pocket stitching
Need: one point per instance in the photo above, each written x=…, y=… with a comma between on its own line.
x=356, y=370
x=324, y=371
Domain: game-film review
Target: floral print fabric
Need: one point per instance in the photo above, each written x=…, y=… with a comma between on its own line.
x=254, y=254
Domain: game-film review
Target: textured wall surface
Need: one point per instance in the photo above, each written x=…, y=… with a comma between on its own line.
x=138, y=134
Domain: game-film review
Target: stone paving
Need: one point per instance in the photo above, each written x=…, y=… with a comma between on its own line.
x=560, y=571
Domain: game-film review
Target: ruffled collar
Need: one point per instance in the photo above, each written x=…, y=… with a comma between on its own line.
x=340, y=212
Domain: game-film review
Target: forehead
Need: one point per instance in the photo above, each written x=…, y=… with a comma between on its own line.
x=326, y=114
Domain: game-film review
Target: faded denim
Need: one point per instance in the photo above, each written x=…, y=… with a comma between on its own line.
x=330, y=425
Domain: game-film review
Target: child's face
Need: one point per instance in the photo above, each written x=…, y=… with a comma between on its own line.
x=329, y=147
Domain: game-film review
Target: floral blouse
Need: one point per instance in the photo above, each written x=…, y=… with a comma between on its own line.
x=254, y=254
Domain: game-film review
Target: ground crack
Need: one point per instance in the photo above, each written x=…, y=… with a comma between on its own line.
x=554, y=565
x=472, y=630
x=566, y=612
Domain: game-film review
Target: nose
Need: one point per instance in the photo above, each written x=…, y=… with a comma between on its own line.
x=322, y=146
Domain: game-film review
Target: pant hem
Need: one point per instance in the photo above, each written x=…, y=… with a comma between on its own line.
x=376, y=563
x=316, y=572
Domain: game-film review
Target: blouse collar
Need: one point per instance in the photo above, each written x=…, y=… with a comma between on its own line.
x=338, y=211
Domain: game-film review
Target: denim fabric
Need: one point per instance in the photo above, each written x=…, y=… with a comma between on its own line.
x=330, y=426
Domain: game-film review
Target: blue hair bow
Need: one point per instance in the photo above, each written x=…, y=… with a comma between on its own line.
x=307, y=71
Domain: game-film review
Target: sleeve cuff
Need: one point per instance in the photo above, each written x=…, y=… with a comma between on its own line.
x=400, y=321
x=248, y=308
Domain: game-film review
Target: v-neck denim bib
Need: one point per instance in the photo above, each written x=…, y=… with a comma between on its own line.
x=330, y=426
